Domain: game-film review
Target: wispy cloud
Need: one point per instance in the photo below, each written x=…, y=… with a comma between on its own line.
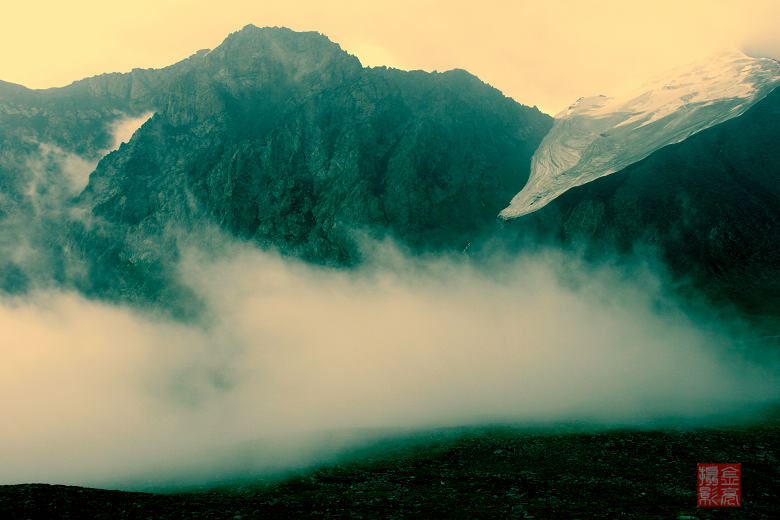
x=122, y=129
x=100, y=394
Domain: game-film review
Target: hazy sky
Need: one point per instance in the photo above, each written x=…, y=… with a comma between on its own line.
x=545, y=52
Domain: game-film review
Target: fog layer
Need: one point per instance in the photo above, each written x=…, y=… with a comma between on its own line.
x=99, y=394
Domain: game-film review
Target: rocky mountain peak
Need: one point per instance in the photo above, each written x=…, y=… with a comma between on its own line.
x=253, y=50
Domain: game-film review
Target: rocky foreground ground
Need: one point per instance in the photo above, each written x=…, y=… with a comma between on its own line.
x=494, y=473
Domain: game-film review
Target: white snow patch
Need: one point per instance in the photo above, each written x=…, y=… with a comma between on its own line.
x=600, y=135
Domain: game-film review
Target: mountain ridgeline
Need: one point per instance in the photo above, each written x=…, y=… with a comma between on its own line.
x=277, y=137
x=709, y=207
x=283, y=140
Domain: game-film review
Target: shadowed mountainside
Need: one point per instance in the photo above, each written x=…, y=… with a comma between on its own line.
x=276, y=137
x=284, y=140
x=709, y=207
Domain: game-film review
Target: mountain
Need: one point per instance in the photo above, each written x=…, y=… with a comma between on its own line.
x=283, y=140
x=276, y=137
x=708, y=206
x=597, y=136
x=50, y=141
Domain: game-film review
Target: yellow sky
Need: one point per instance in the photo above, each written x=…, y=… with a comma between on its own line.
x=546, y=53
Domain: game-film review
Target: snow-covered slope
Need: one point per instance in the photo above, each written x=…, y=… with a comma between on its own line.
x=599, y=135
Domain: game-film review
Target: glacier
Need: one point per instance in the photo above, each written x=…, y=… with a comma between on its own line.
x=600, y=135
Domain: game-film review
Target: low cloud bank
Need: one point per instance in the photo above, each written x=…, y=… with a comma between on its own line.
x=103, y=395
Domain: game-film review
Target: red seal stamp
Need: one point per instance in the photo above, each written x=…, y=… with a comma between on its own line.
x=719, y=485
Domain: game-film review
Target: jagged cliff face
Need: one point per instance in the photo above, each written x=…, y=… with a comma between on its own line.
x=280, y=138
x=286, y=140
x=50, y=141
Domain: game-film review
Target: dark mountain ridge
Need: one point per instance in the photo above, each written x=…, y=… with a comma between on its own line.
x=284, y=140
x=279, y=138
x=708, y=206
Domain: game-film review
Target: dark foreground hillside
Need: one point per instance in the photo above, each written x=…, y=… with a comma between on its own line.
x=491, y=473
